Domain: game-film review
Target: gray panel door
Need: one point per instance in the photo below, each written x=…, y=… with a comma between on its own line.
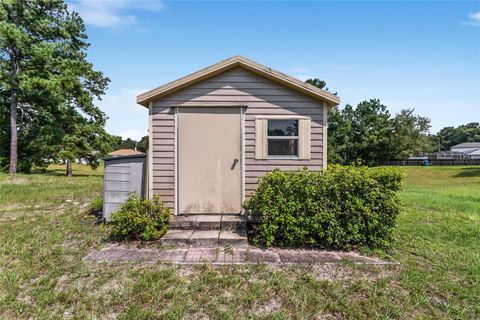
x=209, y=160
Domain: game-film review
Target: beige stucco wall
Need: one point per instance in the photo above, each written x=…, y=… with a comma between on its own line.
x=234, y=87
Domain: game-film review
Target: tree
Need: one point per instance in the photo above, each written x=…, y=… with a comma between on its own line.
x=316, y=82
x=450, y=136
x=43, y=68
x=337, y=128
x=369, y=135
x=339, y=134
x=128, y=143
x=81, y=138
x=319, y=84
x=117, y=141
x=409, y=135
x=142, y=145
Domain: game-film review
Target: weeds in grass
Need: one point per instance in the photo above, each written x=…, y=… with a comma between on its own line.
x=95, y=206
x=42, y=274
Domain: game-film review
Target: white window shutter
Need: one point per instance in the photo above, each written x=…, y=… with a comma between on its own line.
x=260, y=139
x=304, y=139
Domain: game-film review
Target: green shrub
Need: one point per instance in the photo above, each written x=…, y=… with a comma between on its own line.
x=140, y=219
x=341, y=207
x=95, y=205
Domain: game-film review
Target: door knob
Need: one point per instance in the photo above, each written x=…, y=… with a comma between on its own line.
x=234, y=163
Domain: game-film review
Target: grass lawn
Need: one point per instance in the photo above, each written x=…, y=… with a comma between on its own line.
x=44, y=234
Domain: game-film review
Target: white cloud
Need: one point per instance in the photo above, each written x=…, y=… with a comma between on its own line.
x=134, y=134
x=125, y=116
x=474, y=19
x=122, y=101
x=115, y=14
x=303, y=77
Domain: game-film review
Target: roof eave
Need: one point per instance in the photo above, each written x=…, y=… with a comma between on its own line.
x=183, y=82
x=157, y=93
x=293, y=83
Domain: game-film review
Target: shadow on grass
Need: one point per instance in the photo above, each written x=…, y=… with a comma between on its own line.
x=62, y=173
x=468, y=172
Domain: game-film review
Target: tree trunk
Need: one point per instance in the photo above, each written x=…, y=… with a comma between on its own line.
x=13, y=128
x=15, y=58
x=69, y=168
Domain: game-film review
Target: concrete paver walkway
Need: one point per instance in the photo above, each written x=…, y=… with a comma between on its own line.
x=250, y=255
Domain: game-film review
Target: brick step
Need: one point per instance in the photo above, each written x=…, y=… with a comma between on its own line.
x=207, y=222
x=204, y=238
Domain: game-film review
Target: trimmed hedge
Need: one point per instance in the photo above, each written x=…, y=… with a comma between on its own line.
x=343, y=206
x=140, y=219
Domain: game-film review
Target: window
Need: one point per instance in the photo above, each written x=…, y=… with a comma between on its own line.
x=282, y=137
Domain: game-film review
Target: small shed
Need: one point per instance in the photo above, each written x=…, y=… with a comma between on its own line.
x=122, y=175
x=213, y=133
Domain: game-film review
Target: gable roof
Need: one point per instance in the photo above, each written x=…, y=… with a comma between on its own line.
x=474, y=152
x=233, y=62
x=124, y=152
x=467, y=145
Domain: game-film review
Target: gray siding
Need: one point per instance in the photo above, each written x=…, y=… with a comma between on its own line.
x=122, y=175
x=237, y=86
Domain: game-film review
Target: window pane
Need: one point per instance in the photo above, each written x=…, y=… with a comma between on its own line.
x=287, y=147
x=283, y=127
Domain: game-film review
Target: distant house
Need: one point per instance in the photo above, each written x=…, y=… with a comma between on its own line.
x=467, y=150
x=418, y=158
x=475, y=154
x=124, y=152
x=447, y=155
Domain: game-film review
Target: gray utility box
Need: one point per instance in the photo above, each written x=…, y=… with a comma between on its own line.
x=122, y=175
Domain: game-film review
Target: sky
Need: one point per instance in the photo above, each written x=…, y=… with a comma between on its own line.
x=411, y=54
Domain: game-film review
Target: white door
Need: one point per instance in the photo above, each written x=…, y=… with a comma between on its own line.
x=209, y=160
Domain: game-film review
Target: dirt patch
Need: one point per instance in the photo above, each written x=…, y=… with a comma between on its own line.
x=15, y=211
x=109, y=287
x=273, y=305
x=13, y=206
x=329, y=316
x=62, y=283
x=368, y=273
x=16, y=180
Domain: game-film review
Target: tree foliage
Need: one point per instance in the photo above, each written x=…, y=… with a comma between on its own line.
x=319, y=84
x=81, y=138
x=142, y=145
x=119, y=143
x=371, y=133
x=339, y=134
x=47, y=86
x=409, y=134
x=450, y=136
x=125, y=143
x=368, y=134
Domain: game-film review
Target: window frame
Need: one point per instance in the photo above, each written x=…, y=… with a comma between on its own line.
x=297, y=138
